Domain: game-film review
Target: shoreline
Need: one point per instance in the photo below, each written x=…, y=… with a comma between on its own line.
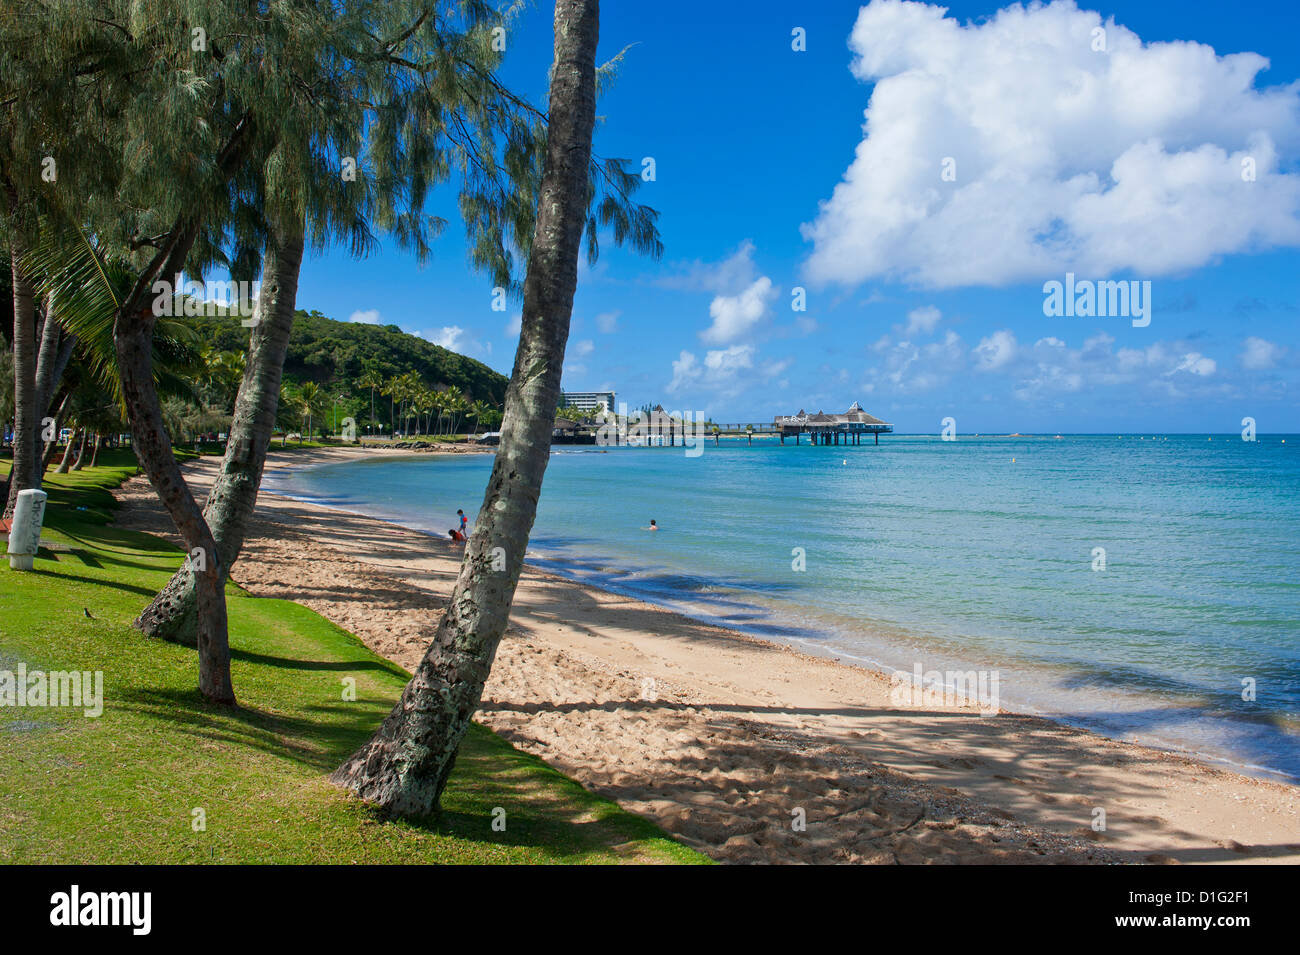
x=791, y=728
x=555, y=565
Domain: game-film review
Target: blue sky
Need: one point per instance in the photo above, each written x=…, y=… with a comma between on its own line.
x=924, y=291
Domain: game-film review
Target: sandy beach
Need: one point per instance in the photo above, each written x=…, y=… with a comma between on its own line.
x=747, y=750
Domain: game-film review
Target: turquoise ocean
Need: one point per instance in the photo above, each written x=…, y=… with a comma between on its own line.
x=979, y=553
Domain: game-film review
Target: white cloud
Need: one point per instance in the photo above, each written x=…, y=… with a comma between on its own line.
x=583, y=348
x=449, y=337
x=907, y=368
x=369, y=316
x=454, y=338
x=513, y=325
x=1044, y=370
x=1051, y=367
x=774, y=369
x=1259, y=353
x=607, y=322
x=1194, y=363
x=1064, y=156
x=734, y=316
x=922, y=320
x=722, y=370
x=741, y=296
x=995, y=351
x=735, y=271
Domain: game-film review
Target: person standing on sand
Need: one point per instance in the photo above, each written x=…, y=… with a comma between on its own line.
x=464, y=522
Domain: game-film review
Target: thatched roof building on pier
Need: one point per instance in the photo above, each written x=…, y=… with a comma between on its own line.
x=823, y=428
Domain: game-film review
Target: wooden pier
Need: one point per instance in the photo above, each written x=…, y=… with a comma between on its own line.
x=660, y=430
x=822, y=428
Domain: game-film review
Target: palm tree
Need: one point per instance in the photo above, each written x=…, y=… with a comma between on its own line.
x=456, y=405
x=371, y=379
x=411, y=387
x=6, y=388
x=310, y=397
x=390, y=389
x=405, y=764
x=480, y=412
x=25, y=473
x=421, y=402
x=220, y=375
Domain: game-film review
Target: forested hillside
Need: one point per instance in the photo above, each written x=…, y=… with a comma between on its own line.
x=337, y=354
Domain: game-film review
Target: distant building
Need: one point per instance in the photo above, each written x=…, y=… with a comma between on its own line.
x=846, y=428
x=590, y=401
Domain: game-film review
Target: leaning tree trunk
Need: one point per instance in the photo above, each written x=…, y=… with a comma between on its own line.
x=52, y=445
x=52, y=359
x=173, y=613
x=404, y=766
x=133, y=340
x=66, y=463
x=46, y=355
x=27, y=422
x=81, y=451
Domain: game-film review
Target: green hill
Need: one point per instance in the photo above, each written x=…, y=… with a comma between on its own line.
x=333, y=353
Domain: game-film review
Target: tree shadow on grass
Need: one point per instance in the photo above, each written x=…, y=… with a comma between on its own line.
x=498, y=795
x=543, y=809
x=320, y=743
x=380, y=666
x=99, y=582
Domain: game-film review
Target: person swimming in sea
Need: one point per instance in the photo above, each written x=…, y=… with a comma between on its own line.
x=653, y=526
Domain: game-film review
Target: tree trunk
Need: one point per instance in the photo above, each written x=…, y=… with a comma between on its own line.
x=94, y=455
x=52, y=446
x=27, y=422
x=46, y=356
x=173, y=613
x=133, y=340
x=404, y=767
x=66, y=463
x=81, y=451
x=52, y=360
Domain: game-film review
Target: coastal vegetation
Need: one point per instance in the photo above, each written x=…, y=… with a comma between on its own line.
x=405, y=766
x=313, y=126
x=364, y=362
x=161, y=776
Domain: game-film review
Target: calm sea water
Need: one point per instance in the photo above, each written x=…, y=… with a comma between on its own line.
x=973, y=554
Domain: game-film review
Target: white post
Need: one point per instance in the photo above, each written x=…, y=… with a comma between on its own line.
x=25, y=531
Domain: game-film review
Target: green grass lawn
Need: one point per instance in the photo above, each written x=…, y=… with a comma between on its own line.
x=125, y=787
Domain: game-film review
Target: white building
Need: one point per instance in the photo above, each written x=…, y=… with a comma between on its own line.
x=590, y=401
